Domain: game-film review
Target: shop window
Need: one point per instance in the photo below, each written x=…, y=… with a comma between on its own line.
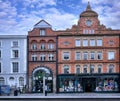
x=107, y=84
x=70, y=84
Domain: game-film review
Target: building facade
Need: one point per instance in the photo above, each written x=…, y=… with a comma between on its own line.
x=42, y=57
x=13, y=60
x=85, y=58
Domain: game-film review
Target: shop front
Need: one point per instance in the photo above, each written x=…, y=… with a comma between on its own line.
x=42, y=78
x=72, y=83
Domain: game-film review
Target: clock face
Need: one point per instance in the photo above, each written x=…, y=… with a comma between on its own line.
x=88, y=22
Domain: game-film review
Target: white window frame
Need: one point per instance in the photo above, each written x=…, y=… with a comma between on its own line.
x=12, y=44
x=85, y=55
x=99, y=42
x=77, y=56
x=66, y=54
x=77, y=42
x=85, y=42
x=18, y=67
x=111, y=55
x=42, y=32
x=92, y=42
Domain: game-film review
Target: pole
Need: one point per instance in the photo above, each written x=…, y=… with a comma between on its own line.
x=44, y=85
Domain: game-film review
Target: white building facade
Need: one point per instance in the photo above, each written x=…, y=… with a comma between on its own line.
x=13, y=60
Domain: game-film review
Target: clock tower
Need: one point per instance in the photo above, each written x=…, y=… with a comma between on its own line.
x=88, y=21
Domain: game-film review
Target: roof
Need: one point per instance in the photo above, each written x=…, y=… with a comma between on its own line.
x=42, y=24
x=88, y=12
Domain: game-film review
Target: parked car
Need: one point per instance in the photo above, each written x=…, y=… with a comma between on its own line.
x=4, y=90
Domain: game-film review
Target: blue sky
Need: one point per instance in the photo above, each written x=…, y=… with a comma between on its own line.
x=19, y=16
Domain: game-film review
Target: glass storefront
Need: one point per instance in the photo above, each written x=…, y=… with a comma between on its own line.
x=86, y=83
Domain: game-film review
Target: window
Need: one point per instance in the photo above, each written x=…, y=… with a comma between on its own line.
x=92, y=42
x=2, y=81
x=0, y=68
x=51, y=46
x=0, y=54
x=92, y=68
x=0, y=43
x=34, y=57
x=42, y=46
x=85, y=31
x=85, y=42
x=111, y=68
x=77, y=42
x=21, y=81
x=34, y=46
x=99, y=68
x=77, y=56
x=99, y=55
x=42, y=32
x=92, y=55
x=15, y=44
x=15, y=53
x=66, y=69
x=66, y=55
x=42, y=57
x=111, y=55
x=51, y=57
x=15, y=66
x=99, y=42
x=77, y=69
x=85, y=56
x=85, y=69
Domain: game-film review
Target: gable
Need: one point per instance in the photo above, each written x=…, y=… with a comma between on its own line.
x=42, y=24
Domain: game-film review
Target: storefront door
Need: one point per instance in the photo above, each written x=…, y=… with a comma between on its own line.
x=89, y=84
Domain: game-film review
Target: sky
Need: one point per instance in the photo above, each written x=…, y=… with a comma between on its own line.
x=17, y=17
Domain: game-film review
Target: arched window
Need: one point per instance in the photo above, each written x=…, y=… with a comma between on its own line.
x=99, y=68
x=21, y=81
x=66, y=69
x=2, y=81
x=92, y=68
x=85, y=69
x=77, y=69
x=111, y=68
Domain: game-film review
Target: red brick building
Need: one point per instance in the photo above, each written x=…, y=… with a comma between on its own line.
x=84, y=58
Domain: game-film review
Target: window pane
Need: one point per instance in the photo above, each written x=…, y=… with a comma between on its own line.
x=15, y=53
x=15, y=67
x=77, y=69
x=85, y=56
x=92, y=55
x=66, y=69
x=99, y=42
x=111, y=55
x=77, y=42
x=99, y=55
x=92, y=42
x=42, y=32
x=85, y=42
x=66, y=55
x=77, y=57
x=15, y=43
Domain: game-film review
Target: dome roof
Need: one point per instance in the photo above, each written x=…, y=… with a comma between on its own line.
x=89, y=12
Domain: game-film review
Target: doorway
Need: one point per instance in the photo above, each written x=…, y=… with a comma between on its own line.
x=89, y=84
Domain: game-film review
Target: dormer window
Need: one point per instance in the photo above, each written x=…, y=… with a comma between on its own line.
x=42, y=32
